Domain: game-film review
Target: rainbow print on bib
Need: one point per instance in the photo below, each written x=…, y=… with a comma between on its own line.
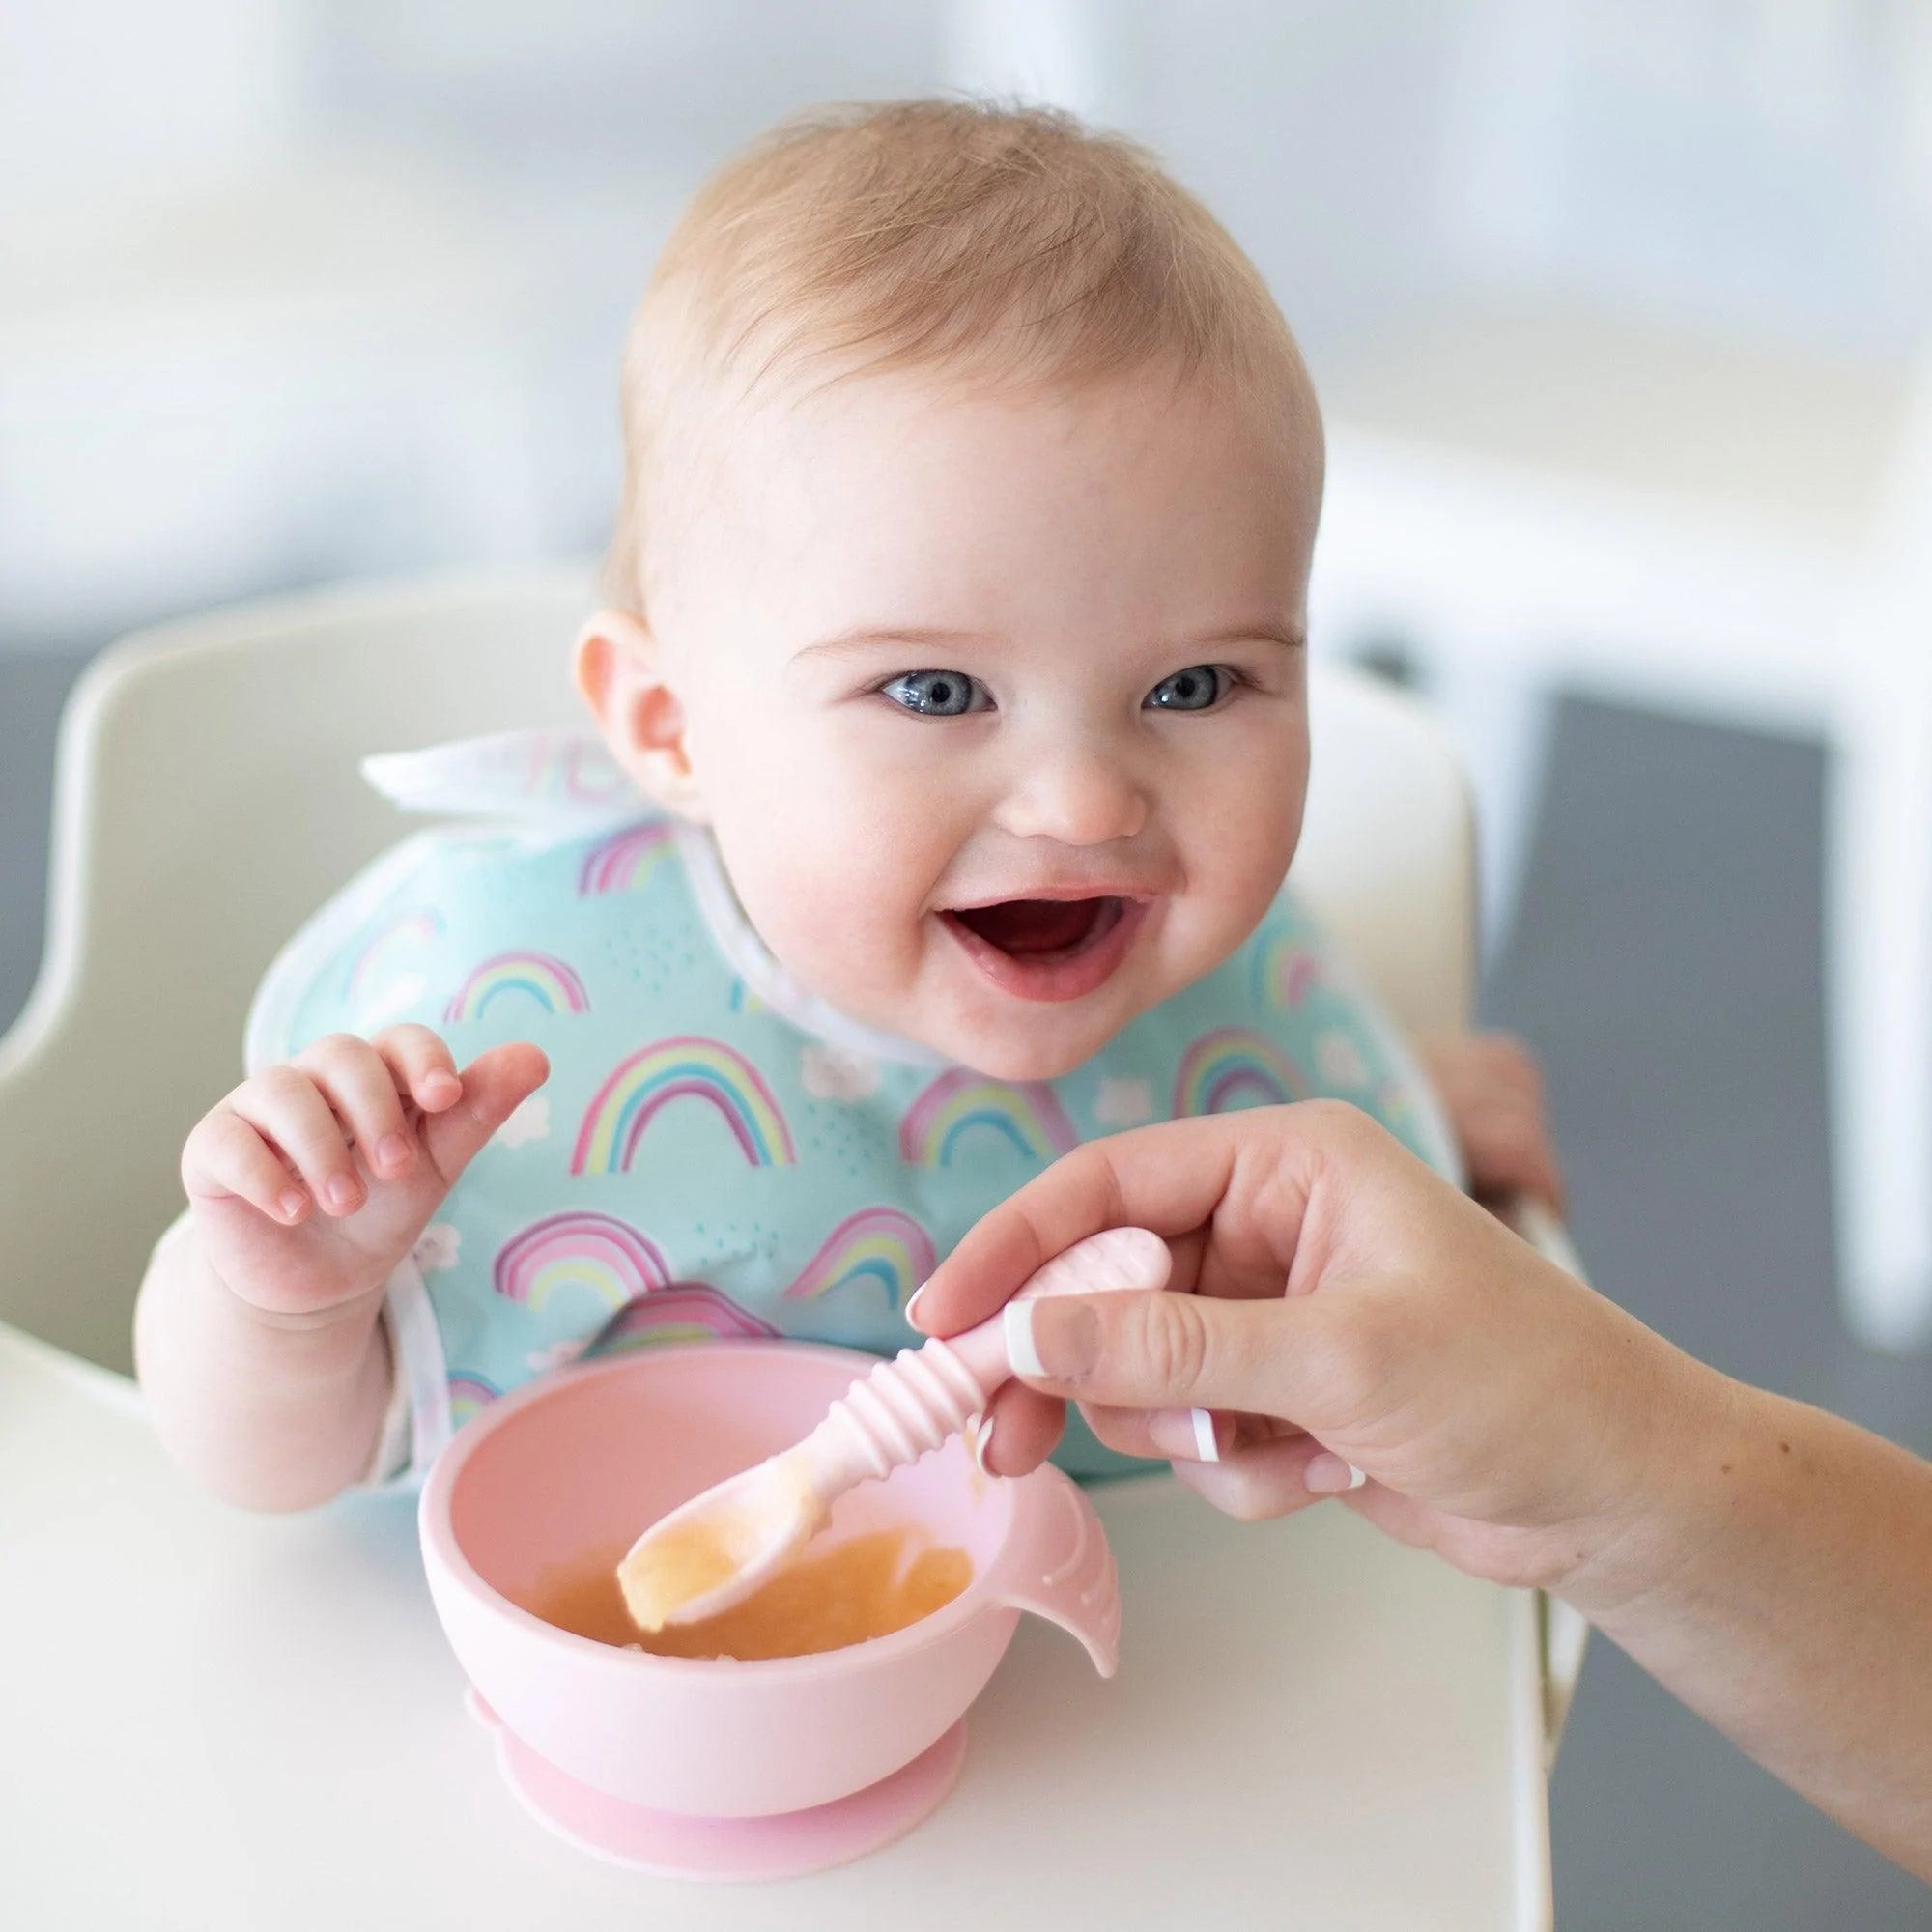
x=1029, y=1118
x=387, y=951
x=553, y=986
x=879, y=1244
x=468, y=1393
x=687, y=1311
x=685, y=1068
x=566, y=767
x=1285, y=970
x=1236, y=1066
x=580, y=1250
x=626, y=861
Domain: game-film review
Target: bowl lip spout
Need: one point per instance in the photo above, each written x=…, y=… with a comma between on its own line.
x=444, y=1554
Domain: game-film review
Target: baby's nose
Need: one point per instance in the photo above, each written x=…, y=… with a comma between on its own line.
x=1074, y=795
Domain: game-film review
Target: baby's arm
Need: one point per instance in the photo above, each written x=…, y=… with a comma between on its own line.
x=257, y=1335
x=273, y=1413
x=1492, y=1092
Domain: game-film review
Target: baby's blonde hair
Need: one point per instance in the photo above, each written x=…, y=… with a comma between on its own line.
x=1010, y=244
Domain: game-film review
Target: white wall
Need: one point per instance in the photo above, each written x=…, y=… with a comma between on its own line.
x=298, y=288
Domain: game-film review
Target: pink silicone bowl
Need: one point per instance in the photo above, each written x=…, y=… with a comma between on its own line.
x=588, y=1456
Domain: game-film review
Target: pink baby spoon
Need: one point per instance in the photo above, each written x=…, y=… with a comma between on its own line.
x=717, y=1550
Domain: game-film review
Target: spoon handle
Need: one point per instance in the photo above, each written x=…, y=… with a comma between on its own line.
x=922, y=1397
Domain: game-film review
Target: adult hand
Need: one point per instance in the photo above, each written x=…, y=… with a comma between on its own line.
x=1768, y=1562
x=1340, y=1309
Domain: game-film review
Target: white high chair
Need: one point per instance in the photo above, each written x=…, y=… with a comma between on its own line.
x=207, y=799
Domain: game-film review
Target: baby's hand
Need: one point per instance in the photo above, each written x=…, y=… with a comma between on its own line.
x=371, y=1133
x=1494, y=1095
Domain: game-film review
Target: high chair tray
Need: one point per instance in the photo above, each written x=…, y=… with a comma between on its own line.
x=224, y=1721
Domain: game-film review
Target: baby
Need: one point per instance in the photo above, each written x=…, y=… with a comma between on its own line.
x=955, y=646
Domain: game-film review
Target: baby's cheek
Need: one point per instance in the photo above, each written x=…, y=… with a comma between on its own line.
x=1237, y=861
x=837, y=920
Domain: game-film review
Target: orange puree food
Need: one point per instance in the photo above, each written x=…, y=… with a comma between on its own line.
x=842, y=1594
x=683, y=1562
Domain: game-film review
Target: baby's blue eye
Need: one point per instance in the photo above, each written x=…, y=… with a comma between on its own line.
x=1198, y=687
x=938, y=694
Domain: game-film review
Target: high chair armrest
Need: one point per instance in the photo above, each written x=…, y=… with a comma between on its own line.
x=1566, y=1634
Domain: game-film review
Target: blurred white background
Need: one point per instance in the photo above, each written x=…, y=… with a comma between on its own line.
x=1622, y=317
x=294, y=288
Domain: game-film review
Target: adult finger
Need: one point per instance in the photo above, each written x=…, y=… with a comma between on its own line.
x=1267, y=1480
x=1019, y=1431
x=1182, y=1434
x=1168, y=1178
x=1165, y=1350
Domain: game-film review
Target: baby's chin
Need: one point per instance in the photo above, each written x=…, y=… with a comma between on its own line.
x=1027, y=1047
x=1022, y=1067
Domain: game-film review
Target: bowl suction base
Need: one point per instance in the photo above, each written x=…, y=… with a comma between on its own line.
x=672, y=1845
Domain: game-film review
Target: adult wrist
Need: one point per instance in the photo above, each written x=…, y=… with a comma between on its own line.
x=1670, y=1501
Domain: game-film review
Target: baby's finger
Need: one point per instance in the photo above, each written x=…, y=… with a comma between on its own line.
x=355, y=1081
x=1511, y=1152
x=1019, y=1430
x=225, y=1157
x=422, y=1064
x=1509, y=1063
x=495, y=1084
x=287, y=1107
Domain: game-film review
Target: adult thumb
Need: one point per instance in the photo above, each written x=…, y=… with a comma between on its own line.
x=495, y=1084
x=1161, y=1351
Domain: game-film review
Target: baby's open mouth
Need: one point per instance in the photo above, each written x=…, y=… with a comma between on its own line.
x=1041, y=929
x=1047, y=948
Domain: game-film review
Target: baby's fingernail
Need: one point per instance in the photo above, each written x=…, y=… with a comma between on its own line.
x=1328, y=1474
x=341, y=1192
x=291, y=1205
x=392, y=1150
x=1188, y=1434
x=440, y=1086
x=1054, y=1338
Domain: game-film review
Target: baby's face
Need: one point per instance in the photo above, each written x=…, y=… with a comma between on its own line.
x=996, y=707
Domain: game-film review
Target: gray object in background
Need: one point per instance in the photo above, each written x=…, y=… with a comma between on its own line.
x=1666, y=967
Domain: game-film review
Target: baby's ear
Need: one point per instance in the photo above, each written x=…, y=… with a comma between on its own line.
x=638, y=713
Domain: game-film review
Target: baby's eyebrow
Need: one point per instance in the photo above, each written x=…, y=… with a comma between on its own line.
x=1289, y=638
x=869, y=637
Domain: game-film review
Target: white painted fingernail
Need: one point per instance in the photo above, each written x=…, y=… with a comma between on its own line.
x=1205, y=1447
x=1021, y=1355
x=914, y=1302
x=1326, y=1473
x=979, y=1437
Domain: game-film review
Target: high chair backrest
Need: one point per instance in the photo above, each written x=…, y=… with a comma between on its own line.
x=207, y=799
